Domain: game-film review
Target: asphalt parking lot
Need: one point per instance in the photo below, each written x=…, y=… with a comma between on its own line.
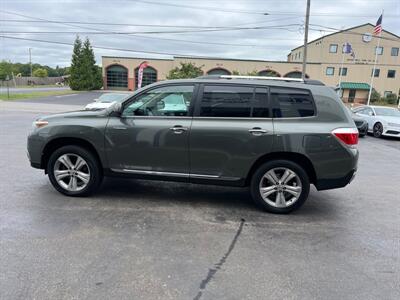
x=156, y=240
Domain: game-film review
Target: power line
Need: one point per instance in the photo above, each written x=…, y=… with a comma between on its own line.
x=143, y=25
x=213, y=8
x=282, y=27
x=203, y=8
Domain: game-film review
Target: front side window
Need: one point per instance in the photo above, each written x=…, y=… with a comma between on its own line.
x=333, y=48
x=379, y=50
x=395, y=51
x=292, y=103
x=171, y=100
x=391, y=74
x=330, y=71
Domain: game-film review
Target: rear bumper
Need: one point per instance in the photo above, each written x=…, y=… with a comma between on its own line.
x=335, y=183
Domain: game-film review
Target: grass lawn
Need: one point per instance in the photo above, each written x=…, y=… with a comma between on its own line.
x=18, y=96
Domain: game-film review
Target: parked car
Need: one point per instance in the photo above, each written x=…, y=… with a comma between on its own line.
x=362, y=124
x=381, y=120
x=106, y=100
x=276, y=136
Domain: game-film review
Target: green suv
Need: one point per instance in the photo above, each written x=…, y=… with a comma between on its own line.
x=275, y=135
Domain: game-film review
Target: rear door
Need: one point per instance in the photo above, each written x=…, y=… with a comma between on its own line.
x=231, y=128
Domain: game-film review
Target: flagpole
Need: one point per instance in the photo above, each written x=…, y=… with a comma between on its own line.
x=376, y=58
x=340, y=73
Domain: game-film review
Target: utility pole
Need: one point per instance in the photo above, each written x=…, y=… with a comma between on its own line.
x=303, y=73
x=30, y=59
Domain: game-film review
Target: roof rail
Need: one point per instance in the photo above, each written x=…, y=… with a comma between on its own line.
x=287, y=79
x=261, y=78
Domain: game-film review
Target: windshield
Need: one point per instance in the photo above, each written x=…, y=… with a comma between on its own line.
x=111, y=97
x=387, y=112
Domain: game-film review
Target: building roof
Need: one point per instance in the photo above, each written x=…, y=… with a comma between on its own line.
x=344, y=31
x=354, y=85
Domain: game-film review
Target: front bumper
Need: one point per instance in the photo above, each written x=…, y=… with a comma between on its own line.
x=34, y=150
x=391, y=131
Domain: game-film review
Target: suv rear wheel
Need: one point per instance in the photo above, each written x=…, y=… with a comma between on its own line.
x=74, y=171
x=280, y=186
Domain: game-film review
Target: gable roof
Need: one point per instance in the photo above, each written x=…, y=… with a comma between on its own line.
x=344, y=30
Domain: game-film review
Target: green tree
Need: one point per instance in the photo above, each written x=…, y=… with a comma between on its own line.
x=92, y=79
x=391, y=98
x=76, y=66
x=84, y=74
x=375, y=96
x=6, y=68
x=41, y=72
x=186, y=70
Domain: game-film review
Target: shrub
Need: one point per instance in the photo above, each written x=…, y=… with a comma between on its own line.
x=391, y=98
x=375, y=96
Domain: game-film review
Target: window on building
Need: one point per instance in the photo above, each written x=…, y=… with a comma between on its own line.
x=379, y=50
x=333, y=48
x=391, y=74
x=299, y=55
x=117, y=77
x=395, y=51
x=292, y=103
x=343, y=71
x=226, y=101
x=377, y=71
x=330, y=71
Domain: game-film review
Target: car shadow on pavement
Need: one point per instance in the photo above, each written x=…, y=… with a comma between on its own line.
x=224, y=199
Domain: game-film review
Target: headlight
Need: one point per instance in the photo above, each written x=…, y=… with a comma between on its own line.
x=394, y=124
x=40, y=123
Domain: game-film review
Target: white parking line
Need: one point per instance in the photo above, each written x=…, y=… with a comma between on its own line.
x=66, y=95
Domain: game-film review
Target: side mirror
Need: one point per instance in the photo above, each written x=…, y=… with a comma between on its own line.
x=117, y=108
x=95, y=100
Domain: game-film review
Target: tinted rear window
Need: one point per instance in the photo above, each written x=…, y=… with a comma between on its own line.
x=226, y=101
x=292, y=103
x=235, y=101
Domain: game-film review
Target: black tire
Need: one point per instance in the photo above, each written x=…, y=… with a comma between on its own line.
x=263, y=169
x=96, y=175
x=378, y=130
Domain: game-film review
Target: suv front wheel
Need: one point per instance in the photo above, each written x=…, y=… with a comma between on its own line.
x=74, y=171
x=280, y=186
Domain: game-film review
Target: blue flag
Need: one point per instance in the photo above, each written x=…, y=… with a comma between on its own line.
x=347, y=48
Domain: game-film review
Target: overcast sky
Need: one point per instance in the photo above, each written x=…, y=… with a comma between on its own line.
x=265, y=43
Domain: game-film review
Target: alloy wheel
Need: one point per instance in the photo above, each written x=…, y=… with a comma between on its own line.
x=280, y=187
x=378, y=130
x=72, y=172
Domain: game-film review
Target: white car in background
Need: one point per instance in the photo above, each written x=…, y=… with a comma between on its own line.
x=381, y=120
x=106, y=99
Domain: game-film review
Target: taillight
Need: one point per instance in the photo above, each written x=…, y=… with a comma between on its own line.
x=348, y=136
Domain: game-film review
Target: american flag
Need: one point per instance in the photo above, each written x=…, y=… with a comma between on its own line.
x=378, y=26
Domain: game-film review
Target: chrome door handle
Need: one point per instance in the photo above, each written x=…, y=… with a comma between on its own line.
x=178, y=129
x=119, y=127
x=257, y=131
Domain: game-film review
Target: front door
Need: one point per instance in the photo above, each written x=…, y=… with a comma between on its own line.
x=232, y=127
x=352, y=95
x=151, y=136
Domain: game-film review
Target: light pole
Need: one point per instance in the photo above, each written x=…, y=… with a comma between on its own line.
x=30, y=59
x=303, y=73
